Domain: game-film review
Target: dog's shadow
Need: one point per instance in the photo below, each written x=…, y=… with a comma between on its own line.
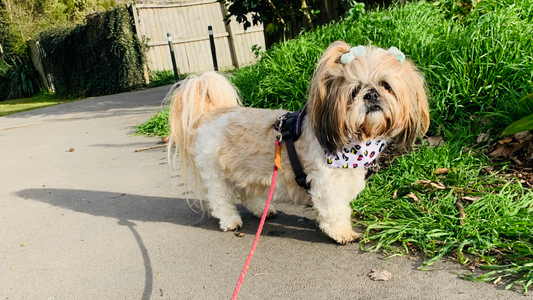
x=130, y=207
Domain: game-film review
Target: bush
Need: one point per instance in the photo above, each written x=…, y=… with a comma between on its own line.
x=99, y=58
x=476, y=69
x=160, y=78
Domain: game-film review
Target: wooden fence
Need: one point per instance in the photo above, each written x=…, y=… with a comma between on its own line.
x=187, y=23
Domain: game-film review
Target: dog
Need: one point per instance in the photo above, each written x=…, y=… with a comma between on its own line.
x=359, y=98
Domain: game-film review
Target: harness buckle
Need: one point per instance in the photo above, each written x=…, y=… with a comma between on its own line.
x=279, y=136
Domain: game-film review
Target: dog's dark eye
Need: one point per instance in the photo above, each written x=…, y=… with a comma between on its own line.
x=386, y=86
x=355, y=92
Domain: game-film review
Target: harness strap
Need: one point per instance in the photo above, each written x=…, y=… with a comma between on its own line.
x=299, y=173
x=291, y=129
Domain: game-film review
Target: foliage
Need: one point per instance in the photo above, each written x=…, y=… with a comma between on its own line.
x=476, y=71
x=21, y=20
x=524, y=124
x=159, y=78
x=102, y=57
x=20, y=79
x=496, y=228
x=156, y=126
x=278, y=16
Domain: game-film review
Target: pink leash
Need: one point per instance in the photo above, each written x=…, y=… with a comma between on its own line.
x=258, y=233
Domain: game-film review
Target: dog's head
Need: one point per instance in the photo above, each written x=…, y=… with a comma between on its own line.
x=366, y=92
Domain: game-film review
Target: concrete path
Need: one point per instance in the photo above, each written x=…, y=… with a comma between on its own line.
x=104, y=222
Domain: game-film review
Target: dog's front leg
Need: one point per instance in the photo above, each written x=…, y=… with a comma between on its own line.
x=332, y=203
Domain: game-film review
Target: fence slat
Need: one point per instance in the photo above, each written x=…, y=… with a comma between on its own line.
x=187, y=21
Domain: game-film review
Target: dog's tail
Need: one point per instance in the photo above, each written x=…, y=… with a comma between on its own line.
x=192, y=99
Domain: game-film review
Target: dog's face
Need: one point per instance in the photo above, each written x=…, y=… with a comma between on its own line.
x=373, y=95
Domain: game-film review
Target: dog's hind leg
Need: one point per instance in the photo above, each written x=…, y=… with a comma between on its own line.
x=220, y=199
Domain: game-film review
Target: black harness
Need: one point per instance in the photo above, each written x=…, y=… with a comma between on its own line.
x=291, y=129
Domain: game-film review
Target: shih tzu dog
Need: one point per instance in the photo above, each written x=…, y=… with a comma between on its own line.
x=359, y=98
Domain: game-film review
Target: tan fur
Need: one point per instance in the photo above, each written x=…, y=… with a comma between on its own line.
x=228, y=150
x=330, y=91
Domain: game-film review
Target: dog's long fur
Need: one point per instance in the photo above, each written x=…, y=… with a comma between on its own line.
x=229, y=150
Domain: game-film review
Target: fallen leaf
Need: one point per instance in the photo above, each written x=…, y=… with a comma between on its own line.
x=380, y=275
x=440, y=171
x=468, y=198
x=438, y=185
x=506, y=141
x=71, y=149
x=395, y=194
x=413, y=196
x=498, y=280
x=506, y=148
x=522, y=136
x=481, y=137
x=424, y=182
x=24, y=245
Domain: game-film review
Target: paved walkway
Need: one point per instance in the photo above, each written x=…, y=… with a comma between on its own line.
x=104, y=222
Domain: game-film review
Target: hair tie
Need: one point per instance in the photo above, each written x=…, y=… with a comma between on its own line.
x=347, y=57
x=399, y=54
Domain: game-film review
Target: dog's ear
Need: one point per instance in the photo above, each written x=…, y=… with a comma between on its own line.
x=326, y=103
x=415, y=105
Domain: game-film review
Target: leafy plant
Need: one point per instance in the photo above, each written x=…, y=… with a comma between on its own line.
x=156, y=126
x=102, y=57
x=524, y=124
x=165, y=77
x=20, y=79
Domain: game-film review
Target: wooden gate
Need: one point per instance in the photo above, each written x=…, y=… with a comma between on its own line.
x=187, y=23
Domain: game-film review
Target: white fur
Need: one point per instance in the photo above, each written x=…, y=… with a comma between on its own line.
x=228, y=150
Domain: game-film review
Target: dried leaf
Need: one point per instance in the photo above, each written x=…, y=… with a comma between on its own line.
x=481, y=137
x=506, y=141
x=498, y=280
x=438, y=185
x=380, y=275
x=440, y=171
x=506, y=148
x=522, y=136
x=413, y=196
x=424, y=182
x=395, y=195
x=468, y=198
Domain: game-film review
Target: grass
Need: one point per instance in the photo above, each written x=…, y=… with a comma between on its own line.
x=477, y=67
x=497, y=226
x=40, y=100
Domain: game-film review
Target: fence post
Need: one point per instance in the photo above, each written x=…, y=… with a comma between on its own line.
x=213, y=50
x=173, y=58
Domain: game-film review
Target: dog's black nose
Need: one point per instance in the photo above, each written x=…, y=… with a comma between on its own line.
x=371, y=96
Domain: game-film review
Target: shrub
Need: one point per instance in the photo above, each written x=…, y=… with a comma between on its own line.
x=476, y=68
x=102, y=57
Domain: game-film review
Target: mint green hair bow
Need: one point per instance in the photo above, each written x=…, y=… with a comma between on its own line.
x=399, y=54
x=347, y=57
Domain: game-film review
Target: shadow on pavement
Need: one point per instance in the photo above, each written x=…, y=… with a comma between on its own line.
x=130, y=207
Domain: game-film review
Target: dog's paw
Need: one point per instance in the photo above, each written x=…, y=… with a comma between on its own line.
x=231, y=224
x=344, y=235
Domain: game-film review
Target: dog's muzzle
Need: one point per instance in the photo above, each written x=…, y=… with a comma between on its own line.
x=372, y=100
